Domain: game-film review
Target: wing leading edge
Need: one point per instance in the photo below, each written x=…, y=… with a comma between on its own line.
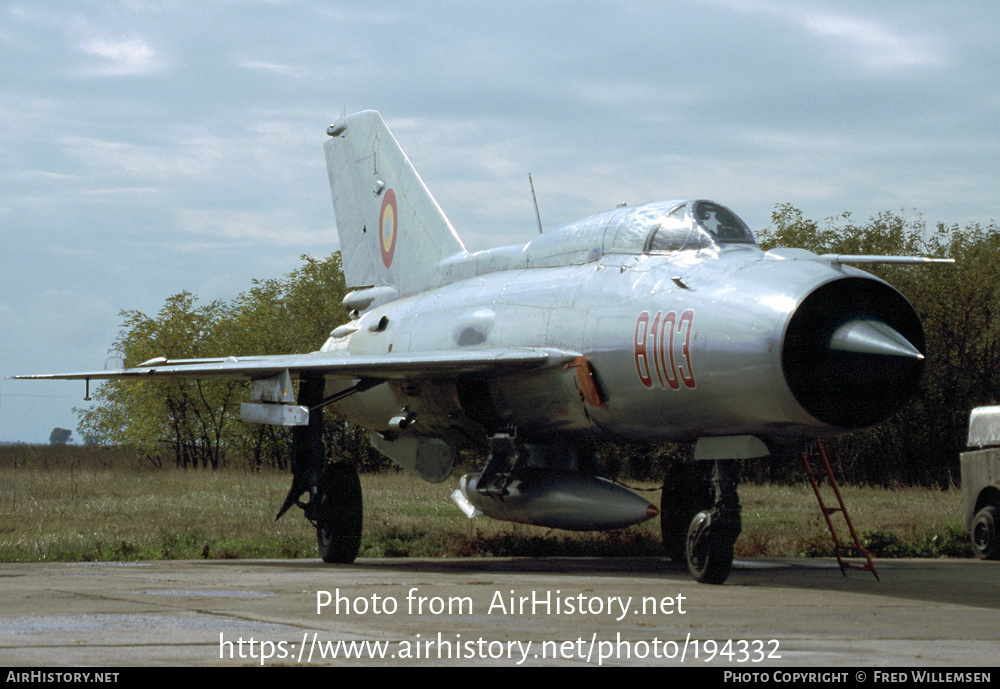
x=382, y=366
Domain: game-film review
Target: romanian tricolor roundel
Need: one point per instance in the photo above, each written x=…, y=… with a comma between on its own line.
x=387, y=221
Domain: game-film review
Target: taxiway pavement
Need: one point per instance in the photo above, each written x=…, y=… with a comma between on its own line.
x=486, y=611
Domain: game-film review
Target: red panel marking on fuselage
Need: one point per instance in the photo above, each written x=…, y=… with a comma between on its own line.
x=641, y=357
x=657, y=340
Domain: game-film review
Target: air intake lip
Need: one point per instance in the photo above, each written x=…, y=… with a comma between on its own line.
x=852, y=354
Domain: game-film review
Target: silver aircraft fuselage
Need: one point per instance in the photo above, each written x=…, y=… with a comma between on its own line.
x=720, y=339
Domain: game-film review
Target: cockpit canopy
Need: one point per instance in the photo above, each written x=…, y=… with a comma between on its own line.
x=658, y=227
x=675, y=226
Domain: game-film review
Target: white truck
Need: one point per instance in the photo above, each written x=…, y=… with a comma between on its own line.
x=981, y=481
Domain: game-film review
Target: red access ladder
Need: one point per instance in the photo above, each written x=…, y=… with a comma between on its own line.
x=838, y=548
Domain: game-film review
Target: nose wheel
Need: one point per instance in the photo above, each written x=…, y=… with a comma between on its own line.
x=700, y=518
x=687, y=490
x=709, y=547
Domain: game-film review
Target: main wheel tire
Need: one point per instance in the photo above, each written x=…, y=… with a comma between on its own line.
x=710, y=557
x=984, y=534
x=686, y=491
x=340, y=515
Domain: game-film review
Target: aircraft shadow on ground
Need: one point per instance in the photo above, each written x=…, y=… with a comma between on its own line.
x=956, y=582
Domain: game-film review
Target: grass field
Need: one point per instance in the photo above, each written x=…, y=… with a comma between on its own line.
x=72, y=504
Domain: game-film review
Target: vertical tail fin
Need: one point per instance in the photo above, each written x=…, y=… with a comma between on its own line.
x=391, y=230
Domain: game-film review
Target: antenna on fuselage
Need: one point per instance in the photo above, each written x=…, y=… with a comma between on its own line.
x=535, y=199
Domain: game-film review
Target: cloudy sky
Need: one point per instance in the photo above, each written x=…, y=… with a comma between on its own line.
x=150, y=147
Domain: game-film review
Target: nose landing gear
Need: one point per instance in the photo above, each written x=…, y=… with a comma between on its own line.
x=700, y=518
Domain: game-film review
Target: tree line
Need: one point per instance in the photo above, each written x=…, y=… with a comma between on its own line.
x=196, y=424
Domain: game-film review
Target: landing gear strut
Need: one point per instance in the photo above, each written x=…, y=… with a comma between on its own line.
x=335, y=502
x=713, y=532
x=687, y=490
x=700, y=518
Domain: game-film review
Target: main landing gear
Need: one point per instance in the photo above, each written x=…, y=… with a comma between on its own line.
x=700, y=517
x=335, y=501
x=338, y=513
